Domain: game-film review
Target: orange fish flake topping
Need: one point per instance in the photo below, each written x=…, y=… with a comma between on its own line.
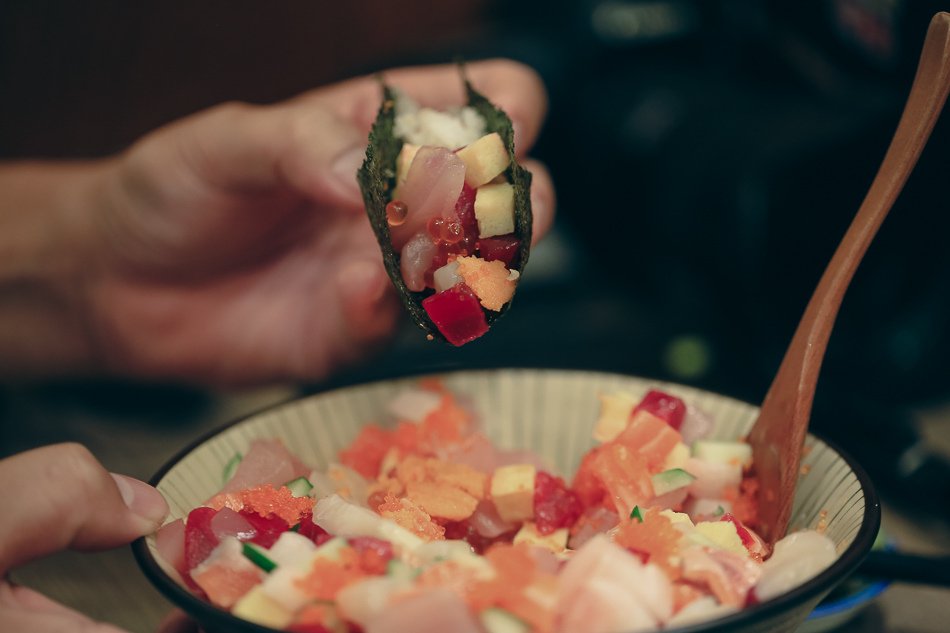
x=265, y=500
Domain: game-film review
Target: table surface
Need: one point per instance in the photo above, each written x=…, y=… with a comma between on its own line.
x=109, y=585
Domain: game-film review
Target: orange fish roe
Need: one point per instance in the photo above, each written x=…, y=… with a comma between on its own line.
x=366, y=452
x=327, y=577
x=265, y=500
x=655, y=536
x=443, y=489
x=406, y=514
x=745, y=504
x=489, y=280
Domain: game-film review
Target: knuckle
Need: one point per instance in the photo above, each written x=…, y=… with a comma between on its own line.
x=72, y=473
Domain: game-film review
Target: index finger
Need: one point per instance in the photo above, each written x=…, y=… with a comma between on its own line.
x=514, y=87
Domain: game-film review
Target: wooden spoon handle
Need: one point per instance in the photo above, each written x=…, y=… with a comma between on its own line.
x=779, y=433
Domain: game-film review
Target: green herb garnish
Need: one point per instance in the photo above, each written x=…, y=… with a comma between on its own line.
x=635, y=514
x=256, y=556
x=231, y=467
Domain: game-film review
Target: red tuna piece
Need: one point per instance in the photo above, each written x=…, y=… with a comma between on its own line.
x=504, y=248
x=200, y=538
x=555, y=505
x=268, y=528
x=312, y=531
x=664, y=406
x=457, y=313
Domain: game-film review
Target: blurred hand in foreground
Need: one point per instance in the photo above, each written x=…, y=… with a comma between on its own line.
x=59, y=497
x=229, y=247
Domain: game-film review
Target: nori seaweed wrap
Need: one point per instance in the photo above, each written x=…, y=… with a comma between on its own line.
x=378, y=181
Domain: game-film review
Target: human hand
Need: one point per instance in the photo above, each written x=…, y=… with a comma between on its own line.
x=59, y=497
x=236, y=247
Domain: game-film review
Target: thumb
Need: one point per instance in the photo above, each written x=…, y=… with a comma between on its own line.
x=59, y=497
x=241, y=148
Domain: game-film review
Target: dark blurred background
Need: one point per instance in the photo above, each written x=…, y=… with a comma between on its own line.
x=708, y=157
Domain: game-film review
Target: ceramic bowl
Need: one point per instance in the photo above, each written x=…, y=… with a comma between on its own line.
x=551, y=412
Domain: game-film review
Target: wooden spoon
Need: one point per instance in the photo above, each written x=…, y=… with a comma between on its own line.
x=779, y=432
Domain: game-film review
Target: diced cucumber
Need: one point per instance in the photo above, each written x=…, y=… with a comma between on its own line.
x=497, y=620
x=258, y=556
x=737, y=453
x=231, y=467
x=400, y=570
x=670, y=480
x=299, y=487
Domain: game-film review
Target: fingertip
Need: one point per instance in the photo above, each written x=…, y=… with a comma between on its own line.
x=543, y=199
x=145, y=502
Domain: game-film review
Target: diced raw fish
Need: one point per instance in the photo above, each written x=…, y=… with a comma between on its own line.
x=595, y=520
x=601, y=559
x=432, y=611
x=728, y=575
x=170, y=542
x=228, y=523
x=465, y=210
x=503, y=248
x=457, y=313
x=795, y=559
x=665, y=406
x=267, y=529
x=267, y=462
x=416, y=259
x=226, y=575
x=487, y=522
x=603, y=607
x=432, y=188
x=200, y=539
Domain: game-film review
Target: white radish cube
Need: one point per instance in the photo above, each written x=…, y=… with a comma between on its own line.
x=495, y=209
x=484, y=159
x=446, y=276
x=290, y=548
x=512, y=491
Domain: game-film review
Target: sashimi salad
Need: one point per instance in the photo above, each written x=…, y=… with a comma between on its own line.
x=424, y=525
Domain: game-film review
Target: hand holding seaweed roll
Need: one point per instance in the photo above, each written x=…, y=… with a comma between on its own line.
x=451, y=209
x=231, y=247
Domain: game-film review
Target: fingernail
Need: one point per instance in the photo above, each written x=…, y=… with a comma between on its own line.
x=362, y=281
x=141, y=498
x=344, y=168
